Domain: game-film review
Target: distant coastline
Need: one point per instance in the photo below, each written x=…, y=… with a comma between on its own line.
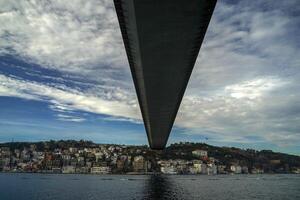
x=145, y=174
x=86, y=157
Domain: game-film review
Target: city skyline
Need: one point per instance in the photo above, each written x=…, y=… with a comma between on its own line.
x=64, y=75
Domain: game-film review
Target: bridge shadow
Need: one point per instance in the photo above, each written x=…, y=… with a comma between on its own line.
x=161, y=187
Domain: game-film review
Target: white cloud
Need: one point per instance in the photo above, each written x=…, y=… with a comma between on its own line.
x=64, y=117
x=245, y=41
x=254, y=88
x=250, y=108
x=69, y=99
x=75, y=36
x=123, y=119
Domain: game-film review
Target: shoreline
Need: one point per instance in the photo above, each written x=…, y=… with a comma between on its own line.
x=146, y=174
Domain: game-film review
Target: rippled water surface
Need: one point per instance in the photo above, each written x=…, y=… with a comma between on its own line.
x=88, y=187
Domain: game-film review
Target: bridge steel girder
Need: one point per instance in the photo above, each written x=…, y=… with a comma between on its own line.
x=162, y=39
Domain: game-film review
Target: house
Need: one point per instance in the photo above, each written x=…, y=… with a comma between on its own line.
x=211, y=169
x=296, y=171
x=257, y=171
x=82, y=170
x=73, y=150
x=222, y=169
x=138, y=164
x=275, y=162
x=56, y=170
x=68, y=169
x=199, y=153
x=236, y=169
x=245, y=170
x=198, y=168
x=98, y=156
x=100, y=170
x=168, y=170
x=203, y=168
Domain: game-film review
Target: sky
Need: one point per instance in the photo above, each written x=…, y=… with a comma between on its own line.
x=64, y=75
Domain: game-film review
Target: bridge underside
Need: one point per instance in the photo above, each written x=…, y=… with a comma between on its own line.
x=162, y=40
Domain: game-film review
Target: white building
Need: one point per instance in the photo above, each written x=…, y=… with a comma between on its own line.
x=168, y=170
x=203, y=169
x=73, y=150
x=236, y=169
x=211, y=169
x=164, y=163
x=199, y=153
x=66, y=157
x=257, y=171
x=100, y=170
x=38, y=155
x=68, y=169
x=193, y=170
x=197, y=167
x=80, y=159
x=99, y=156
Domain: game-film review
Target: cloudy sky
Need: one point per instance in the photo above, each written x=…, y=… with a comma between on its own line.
x=64, y=75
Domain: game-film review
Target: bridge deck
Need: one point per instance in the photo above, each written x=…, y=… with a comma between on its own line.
x=162, y=39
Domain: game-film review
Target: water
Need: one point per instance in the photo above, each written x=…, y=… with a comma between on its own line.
x=89, y=187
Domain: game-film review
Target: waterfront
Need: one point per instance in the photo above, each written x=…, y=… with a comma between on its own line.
x=85, y=157
x=92, y=187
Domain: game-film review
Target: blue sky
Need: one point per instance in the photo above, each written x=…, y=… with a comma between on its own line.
x=64, y=75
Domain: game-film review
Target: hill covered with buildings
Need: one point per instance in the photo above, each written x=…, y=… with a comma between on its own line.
x=180, y=158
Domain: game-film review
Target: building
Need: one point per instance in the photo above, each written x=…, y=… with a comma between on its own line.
x=236, y=169
x=296, y=171
x=100, y=170
x=120, y=164
x=245, y=170
x=73, y=150
x=168, y=170
x=222, y=169
x=138, y=164
x=257, y=171
x=198, y=168
x=192, y=170
x=199, y=153
x=275, y=162
x=211, y=169
x=83, y=170
x=98, y=156
x=203, y=168
x=56, y=170
x=68, y=169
